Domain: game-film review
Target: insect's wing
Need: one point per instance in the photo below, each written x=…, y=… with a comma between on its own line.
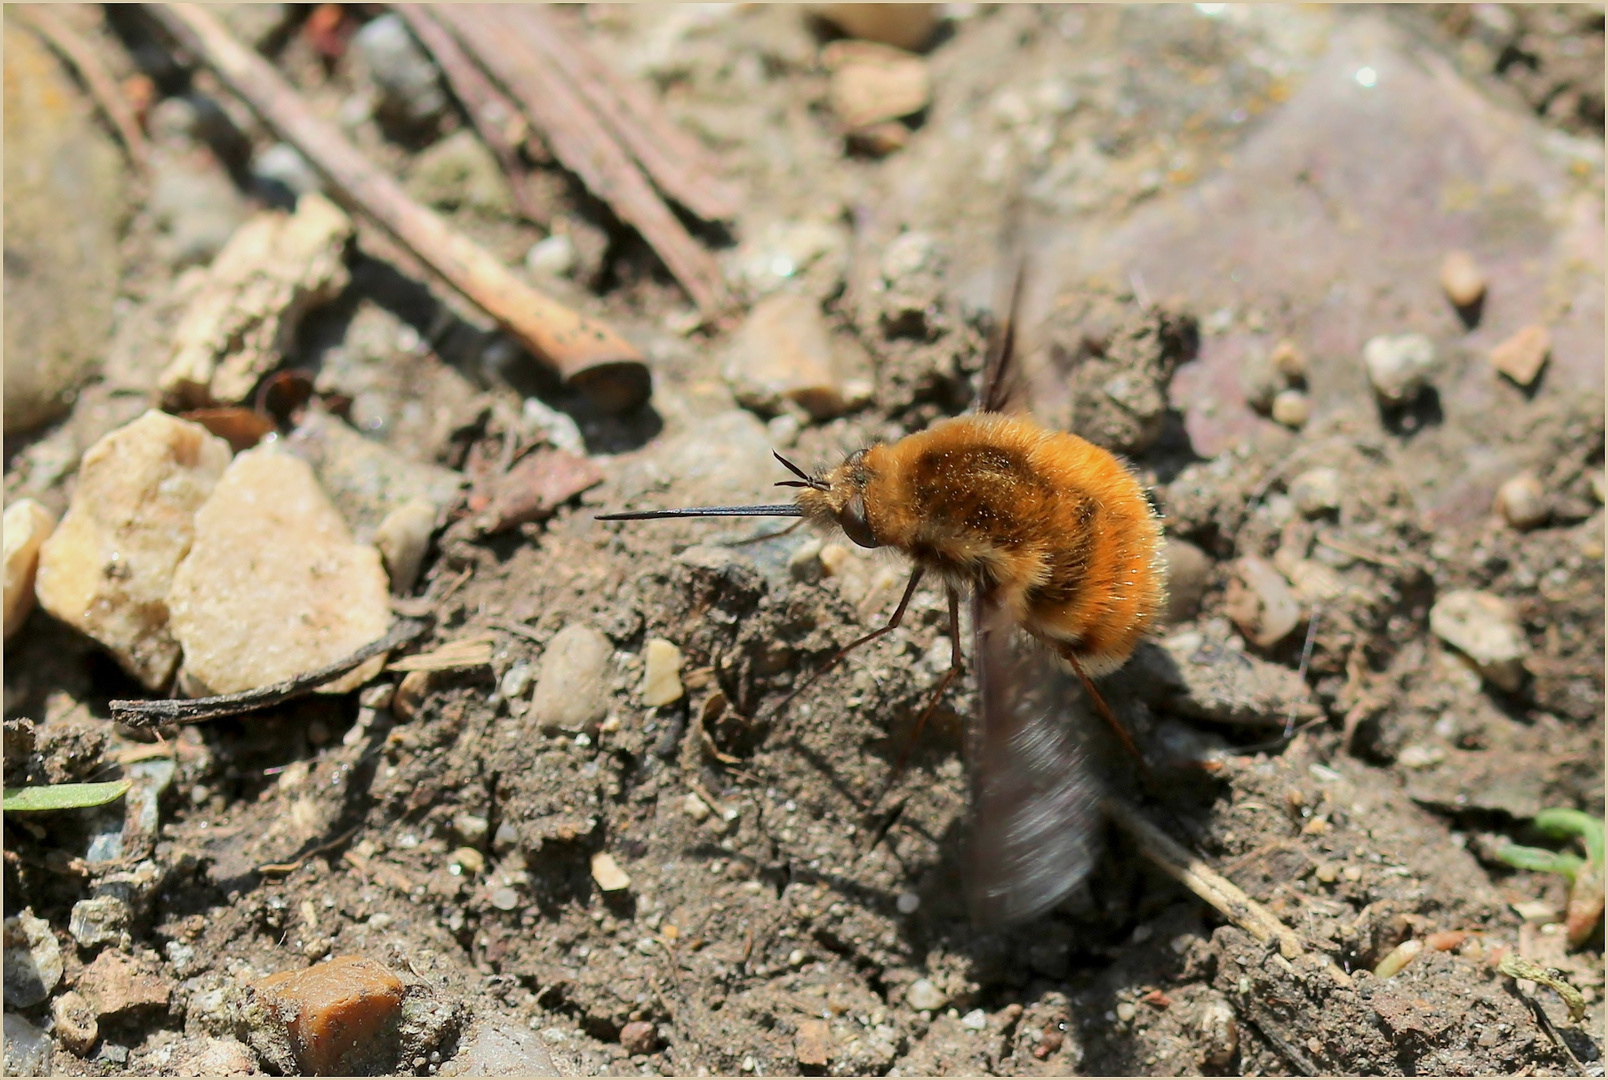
x=1035, y=799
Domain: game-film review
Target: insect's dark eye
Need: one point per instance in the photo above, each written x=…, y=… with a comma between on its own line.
x=852, y=519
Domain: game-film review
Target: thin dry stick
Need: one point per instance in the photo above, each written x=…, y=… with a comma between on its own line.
x=1207, y=884
x=146, y=714
x=679, y=166
x=580, y=140
x=493, y=113
x=585, y=353
x=99, y=82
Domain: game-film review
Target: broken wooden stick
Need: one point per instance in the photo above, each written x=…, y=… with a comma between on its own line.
x=1188, y=870
x=584, y=353
x=504, y=42
x=495, y=116
x=77, y=52
x=148, y=714
x=678, y=165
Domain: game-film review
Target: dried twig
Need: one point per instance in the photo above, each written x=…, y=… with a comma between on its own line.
x=493, y=113
x=146, y=714
x=586, y=354
x=97, y=80
x=508, y=46
x=1210, y=886
x=296, y=864
x=678, y=165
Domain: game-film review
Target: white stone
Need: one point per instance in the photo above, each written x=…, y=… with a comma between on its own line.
x=1484, y=628
x=1398, y=366
x=403, y=538
x=274, y=585
x=27, y=526
x=923, y=996
x=109, y=566
x=661, y=678
x=607, y=873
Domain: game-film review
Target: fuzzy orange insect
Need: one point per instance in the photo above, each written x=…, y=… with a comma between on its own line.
x=1049, y=533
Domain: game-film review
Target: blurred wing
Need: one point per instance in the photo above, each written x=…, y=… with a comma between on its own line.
x=1035, y=798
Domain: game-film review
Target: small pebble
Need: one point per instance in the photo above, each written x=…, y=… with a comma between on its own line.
x=871, y=83
x=1462, y=280
x=1418, y=756
x=1352, y=873
x=26, y=527
x=75, y=1023
x=923, y=996
x=639, y=1037
x=1522, y=501
x=695, y=808
x=403, y=538
x=99, y=920
x=904, y=26
x=1484, y=628
x=1398, y=958
x=1126, y=1010
x=1317, y=491
x=805, y=563
x=1289, y=361
x=1398, y=366
x=468, y=860
x=785, y=357
x=1260, y=602
x=27, y=1049
x=1188, y=573
x=607, y=873
x=812, y=1045
x=471, y=828
x=1446, y=940
x=326, y=1019
x=570, y=692
x=661, y=676
x=553, y=256
x=1328, y=873
x=504, y=898
x=410, y=89
x=379, y=920
x=1292, y=408
x=1260, y=381
x=33, y=964
x=282, y=164
x=504, y=839
x=907, y=903
x=976, y=1020
x=1219, y=1032
x=1522, y=356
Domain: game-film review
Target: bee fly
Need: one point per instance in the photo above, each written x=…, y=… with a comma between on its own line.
x=1051, y=535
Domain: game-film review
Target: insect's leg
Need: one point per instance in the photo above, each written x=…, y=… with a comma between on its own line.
x=893, y=624
x=955, y=660
x=1105, y=712
x=766, y=536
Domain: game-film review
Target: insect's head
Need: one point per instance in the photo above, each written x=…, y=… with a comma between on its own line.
x=836, y=498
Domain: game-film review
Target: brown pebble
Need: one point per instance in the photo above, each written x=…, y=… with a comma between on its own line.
x=1446, y=940
x=639, y=1037
x=813, y=1043
x=1050, y=1040
x=333, y=1008
x=1462, y=279
x=872, y=83
x=113, y=986
x=1522, y=356
x=904, y=26
x=410, y=695
x=1292, y=408
x=1260, y=602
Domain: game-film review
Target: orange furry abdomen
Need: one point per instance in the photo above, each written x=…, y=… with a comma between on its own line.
x=1049, y=526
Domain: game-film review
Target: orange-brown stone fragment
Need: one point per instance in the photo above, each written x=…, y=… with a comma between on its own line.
x=332, y=1009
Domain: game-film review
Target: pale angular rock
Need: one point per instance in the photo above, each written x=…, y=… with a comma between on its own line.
x=274, y=584
x=904, y=26
x=274, y=269
x=607, y=873
x=785, y=352
x=570, y=692
x=27, y=526
x=1485, y=629
x=1399, y=367
x=403, y=539
x=108, y=567
x=872, y=83
x=661, y=679
x=33, y=964
x=27, y=1049
x=1522, y=356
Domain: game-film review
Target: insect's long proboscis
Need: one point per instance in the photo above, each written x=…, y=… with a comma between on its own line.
x=776, y=510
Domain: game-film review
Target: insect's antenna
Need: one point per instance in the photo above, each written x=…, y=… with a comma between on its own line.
x=804, y=478
x=777, y=510
x=1000, y=379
